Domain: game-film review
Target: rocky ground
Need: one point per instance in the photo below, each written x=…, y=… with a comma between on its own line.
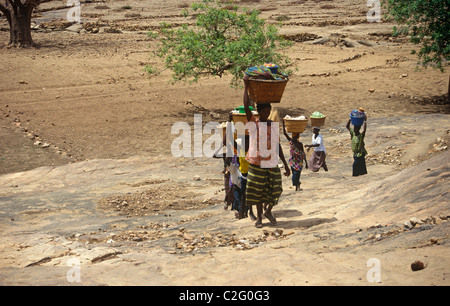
x=87, y=174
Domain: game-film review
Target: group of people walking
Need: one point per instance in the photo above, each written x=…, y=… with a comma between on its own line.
x=254, y=179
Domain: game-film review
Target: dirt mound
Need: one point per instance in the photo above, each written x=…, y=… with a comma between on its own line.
x=421, y=191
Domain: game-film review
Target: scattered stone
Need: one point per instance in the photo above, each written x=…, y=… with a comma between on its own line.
x=76, y=27
x=437, y=220
x=336, y=131
x=414, y=221
x=109, y=30
x=434, y=240
x=392, y=155
x=356, y=56
x=417, y=265
x=106, y=256
x=425, y=227
x=39, y=262
x=408, y=225
x=152, y=201
x=440, y=145
x=192, y=243
x=301, y=37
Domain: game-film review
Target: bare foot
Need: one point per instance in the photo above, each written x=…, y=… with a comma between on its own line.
x=271, y=218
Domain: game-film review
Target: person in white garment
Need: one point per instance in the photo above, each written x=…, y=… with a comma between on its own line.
x=318, y=157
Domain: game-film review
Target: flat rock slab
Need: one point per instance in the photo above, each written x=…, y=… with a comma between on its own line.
x=52, y=227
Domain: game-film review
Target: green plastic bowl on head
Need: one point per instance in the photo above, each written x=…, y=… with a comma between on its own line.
x=241, y=109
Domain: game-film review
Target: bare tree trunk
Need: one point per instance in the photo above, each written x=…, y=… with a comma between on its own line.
x=18, y=13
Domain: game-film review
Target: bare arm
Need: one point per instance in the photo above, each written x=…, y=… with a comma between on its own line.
x=348, y=124
x=285, y=133
x=314, y=145
x=306, y=162
x=288, y=171
x=364, y=126
x=311, y=146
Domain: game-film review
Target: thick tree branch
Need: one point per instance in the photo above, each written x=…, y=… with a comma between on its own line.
x=20, y=4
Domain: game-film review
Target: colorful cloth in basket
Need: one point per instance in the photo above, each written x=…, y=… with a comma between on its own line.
x=262, y=72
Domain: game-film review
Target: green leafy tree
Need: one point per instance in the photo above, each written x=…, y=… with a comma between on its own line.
x=427, y=22
x=222, y=40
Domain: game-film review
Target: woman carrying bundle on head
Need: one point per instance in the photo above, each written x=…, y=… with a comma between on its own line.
x=358, y=146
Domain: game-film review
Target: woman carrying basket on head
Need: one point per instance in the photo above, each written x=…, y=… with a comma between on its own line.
x=264, y=183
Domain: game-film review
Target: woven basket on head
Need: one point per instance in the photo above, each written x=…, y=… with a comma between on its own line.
x=266, y=91
x=318, y=121
x=238, y=117
x=295, y=125
x=241, y=117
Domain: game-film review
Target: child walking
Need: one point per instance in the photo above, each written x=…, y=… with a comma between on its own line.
x=297, y=157
x=243, y=168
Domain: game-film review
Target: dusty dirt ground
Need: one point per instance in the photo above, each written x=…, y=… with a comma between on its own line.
x=82, y=124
